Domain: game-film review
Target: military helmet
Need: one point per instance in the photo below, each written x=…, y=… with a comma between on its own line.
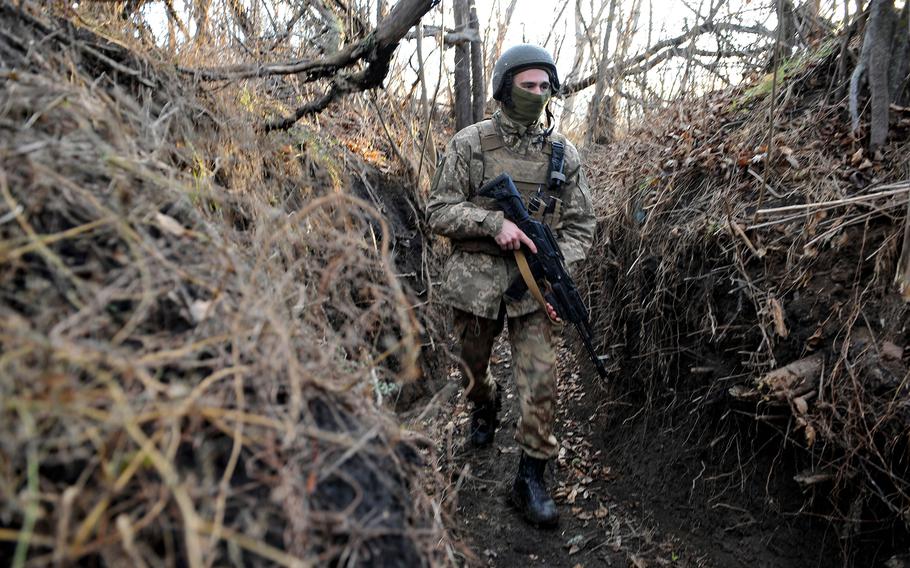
x=518, y=58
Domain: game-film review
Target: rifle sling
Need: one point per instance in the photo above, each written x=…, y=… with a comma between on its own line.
x=528, y=276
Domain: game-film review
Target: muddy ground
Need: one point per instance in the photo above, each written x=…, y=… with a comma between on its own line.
x=631, y=492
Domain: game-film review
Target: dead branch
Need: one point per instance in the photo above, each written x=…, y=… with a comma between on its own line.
x=502, y=26
x=377, y=45
x=663, y=50
x=451, y=37
x=377, y=49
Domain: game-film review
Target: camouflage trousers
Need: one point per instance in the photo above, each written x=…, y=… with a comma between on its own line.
x=533, y=366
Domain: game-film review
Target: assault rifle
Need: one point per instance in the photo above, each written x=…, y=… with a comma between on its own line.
x=548, y=265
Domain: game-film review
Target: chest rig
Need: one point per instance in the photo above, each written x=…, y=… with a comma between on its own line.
x=538, y=176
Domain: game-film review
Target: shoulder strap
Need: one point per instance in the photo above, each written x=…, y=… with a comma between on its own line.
x=490, y=139
x=555, y=174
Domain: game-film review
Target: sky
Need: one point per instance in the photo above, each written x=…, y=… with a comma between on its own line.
x=552, y=23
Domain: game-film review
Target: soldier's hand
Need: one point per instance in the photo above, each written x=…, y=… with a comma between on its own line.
x=510, y=237
x=551, y=311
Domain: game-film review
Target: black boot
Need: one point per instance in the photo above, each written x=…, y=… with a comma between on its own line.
x=529, y=493
x=484, y=421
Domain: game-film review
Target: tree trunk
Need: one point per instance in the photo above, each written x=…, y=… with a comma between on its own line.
x=333, y=24
x=478, y=82
x=856, y=80
x=502, y=27
x=463, y=112
x=578, y=62
x=599, y=125
x=881, y=30
x=900, y=56
x=202, y=19
x=786, y=20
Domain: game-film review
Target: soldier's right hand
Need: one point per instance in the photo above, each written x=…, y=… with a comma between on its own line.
x=510, y=237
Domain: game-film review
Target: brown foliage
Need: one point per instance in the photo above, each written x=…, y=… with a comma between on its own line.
x=196, y=327
x=713, y=297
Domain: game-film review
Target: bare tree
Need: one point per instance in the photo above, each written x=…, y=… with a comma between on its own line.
x=600, y=126
x=502, y=26
x=462, y=78
x=578, y=61
x=477, y=77
x=883, y=55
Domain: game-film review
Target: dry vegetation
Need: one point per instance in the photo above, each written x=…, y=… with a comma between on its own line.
x=202, y=323
x=748, y=273
x=197, y=325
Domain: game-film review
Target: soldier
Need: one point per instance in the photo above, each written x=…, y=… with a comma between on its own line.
x=547, y=171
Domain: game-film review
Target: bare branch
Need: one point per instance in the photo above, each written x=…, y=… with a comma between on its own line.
x=377, y=49
x=452, y=37
x=387, y=34
x=661, y=51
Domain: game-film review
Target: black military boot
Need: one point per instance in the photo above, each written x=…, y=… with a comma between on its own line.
x=529, y=493
x=484, y=421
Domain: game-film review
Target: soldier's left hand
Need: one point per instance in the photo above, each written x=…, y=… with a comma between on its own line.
x=551, y=311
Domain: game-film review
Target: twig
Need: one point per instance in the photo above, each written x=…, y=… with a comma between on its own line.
x=903, y=188
x=769, y=155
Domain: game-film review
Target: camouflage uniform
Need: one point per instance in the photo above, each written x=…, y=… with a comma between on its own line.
x=478, y=271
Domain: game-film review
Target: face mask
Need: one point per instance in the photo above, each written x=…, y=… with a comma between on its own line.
x=526, y=106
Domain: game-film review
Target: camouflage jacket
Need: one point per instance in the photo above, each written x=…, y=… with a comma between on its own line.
x=477, y=272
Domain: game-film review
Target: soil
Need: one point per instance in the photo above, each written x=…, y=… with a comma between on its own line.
x=600, y=524
x=633, y=491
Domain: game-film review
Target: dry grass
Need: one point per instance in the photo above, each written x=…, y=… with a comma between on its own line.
x=198, y=321
x=716, y=265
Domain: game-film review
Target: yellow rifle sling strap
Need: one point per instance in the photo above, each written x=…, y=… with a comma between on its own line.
x=528, y=277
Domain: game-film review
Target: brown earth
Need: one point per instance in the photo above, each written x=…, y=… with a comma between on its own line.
x=630, y=493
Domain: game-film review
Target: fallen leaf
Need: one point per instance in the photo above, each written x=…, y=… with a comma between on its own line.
x=811, y=477
x=810, y=435
x=857, y=157
x=170, y=224
x=200, y=309
x=311, y=483
x=575, y=544
x=742, y=392
x=777, y=312
x=892, y=351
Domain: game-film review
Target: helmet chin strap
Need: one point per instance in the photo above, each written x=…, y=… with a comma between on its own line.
x=545, y=133
x=550, y=122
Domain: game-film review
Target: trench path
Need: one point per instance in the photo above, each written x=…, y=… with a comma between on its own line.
x=597, y=526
